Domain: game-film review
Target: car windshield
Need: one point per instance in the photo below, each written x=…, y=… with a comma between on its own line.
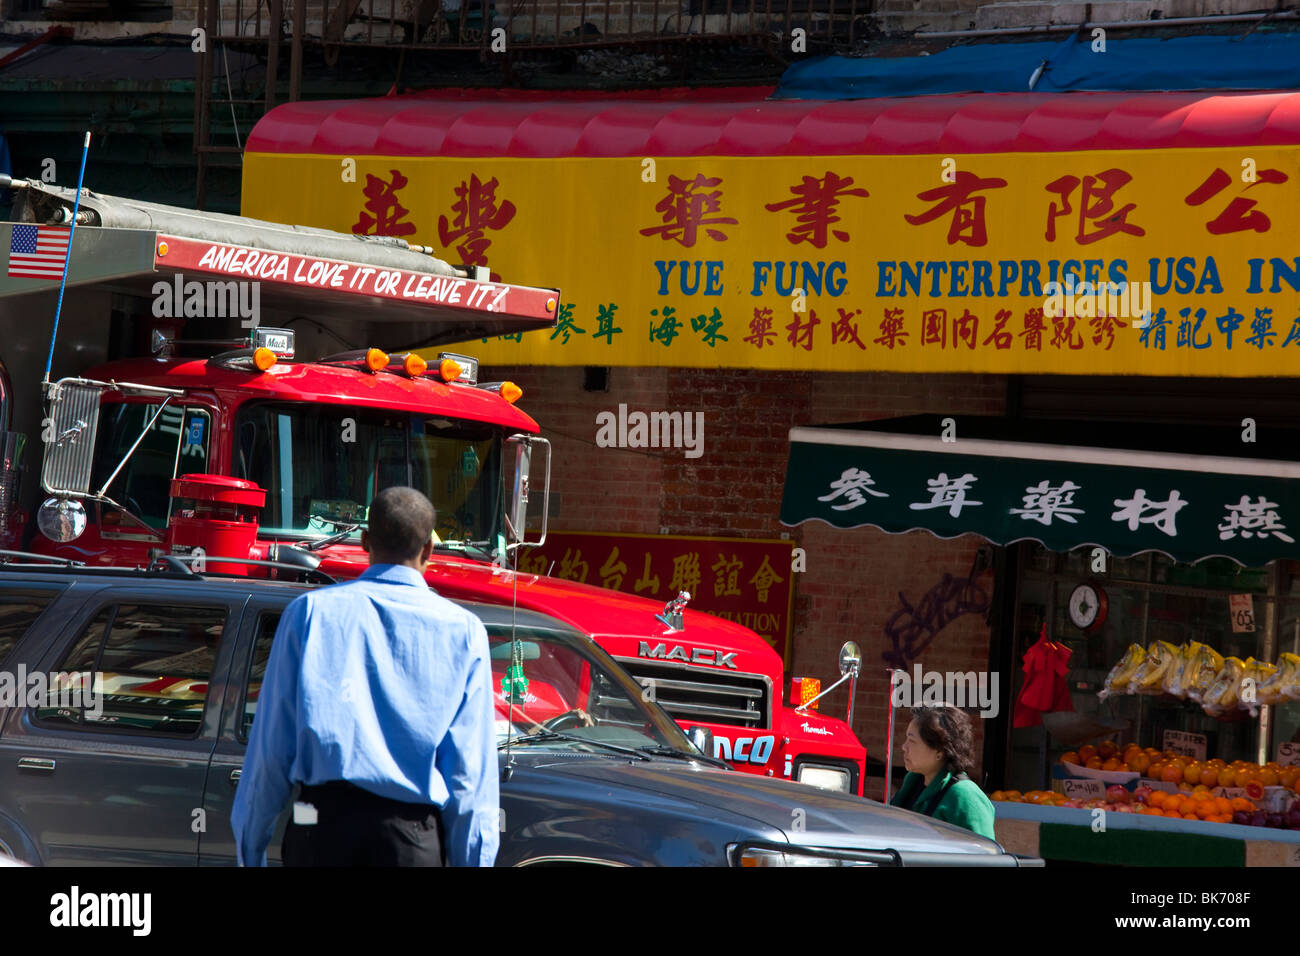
x=322, y=465
x=548, y=681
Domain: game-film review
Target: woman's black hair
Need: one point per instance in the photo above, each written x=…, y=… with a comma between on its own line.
x=947, y=730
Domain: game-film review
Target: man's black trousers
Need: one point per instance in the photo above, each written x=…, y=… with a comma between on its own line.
x=355, y=827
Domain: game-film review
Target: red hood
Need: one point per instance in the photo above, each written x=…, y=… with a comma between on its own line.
x=617, y=621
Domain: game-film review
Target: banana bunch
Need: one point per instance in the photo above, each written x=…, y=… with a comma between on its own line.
x=1117, y=681
x=1201, y=668
x=1150, y=676
x=1288, y=676
x=1223, y=693
x=1253, y=677
x=1172, y=682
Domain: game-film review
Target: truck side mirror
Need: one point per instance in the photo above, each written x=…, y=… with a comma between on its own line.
x=517, y=515
x=68, y=434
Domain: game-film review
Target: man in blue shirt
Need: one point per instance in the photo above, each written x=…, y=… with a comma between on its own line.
x=377, y=698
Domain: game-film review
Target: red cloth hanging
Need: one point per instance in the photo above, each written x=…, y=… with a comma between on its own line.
x=1045, y=689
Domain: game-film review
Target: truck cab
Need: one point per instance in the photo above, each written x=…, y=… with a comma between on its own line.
x=278, y=407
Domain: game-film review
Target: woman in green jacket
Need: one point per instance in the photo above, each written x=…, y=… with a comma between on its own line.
x=939, y=751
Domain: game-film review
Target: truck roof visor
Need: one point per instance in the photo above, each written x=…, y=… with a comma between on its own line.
x=341, y=281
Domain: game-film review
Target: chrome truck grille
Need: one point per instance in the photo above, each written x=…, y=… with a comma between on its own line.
x=700, y=694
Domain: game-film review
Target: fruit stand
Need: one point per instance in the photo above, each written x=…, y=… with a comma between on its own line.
x=1074, y=835
x=1142, y=806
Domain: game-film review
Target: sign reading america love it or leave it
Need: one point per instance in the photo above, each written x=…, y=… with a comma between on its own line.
x=743, y=580
x=1188, y=515
x=855, y=262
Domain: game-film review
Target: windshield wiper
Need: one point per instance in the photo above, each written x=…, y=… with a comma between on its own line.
x=319, y=543
x=464, y=547
x=659, y=750
x=556, y=735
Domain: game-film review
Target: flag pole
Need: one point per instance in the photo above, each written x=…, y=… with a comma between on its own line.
x=67, y=258
x=889, y=738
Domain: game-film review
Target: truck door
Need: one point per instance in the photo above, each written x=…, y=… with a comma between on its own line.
x=120, y=779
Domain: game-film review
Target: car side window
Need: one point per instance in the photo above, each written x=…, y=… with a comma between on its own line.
x=266, y=625
x=19, y=609
x=151, y=665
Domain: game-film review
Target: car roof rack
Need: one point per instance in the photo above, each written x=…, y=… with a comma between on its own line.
x=42, y=558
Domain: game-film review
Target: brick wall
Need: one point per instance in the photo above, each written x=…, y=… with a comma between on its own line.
x=853, y=578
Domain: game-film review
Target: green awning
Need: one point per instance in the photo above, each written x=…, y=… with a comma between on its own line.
x=1190, y=493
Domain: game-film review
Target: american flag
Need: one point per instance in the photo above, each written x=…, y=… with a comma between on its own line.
x=37, y=252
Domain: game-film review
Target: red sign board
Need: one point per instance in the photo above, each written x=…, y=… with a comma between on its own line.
x=740, y=579
x=307, y=272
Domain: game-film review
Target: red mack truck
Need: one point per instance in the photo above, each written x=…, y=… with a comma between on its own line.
x=196, y=327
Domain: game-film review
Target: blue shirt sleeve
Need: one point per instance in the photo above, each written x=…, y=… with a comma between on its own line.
x=467, y=761
x=264, y=785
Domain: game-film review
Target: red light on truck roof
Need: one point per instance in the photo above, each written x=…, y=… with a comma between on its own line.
x=511, y=392
x=376, y=359
x=414, y=365
x=264, y=358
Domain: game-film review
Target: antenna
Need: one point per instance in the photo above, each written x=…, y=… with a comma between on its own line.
x=67, y=258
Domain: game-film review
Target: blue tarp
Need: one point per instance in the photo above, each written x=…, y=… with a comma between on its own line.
x=1254, y=62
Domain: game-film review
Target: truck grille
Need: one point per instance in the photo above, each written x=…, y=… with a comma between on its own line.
x=698, y=693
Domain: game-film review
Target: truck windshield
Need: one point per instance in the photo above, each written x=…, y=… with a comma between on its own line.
x=322, y=464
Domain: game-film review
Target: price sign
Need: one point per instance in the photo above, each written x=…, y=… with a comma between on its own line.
x=1288, y=754
x=1241, y=608
x=1185, y=744
x=1084, y=789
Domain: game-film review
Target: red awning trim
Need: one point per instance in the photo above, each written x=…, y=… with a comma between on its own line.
x=599, y=126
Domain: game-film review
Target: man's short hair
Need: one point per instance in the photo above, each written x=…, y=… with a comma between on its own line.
x=400, y=523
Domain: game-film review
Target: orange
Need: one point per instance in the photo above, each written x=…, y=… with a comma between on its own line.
x=1182, y=760
x=1172, y=774
x=1070, y=756
x=1288, y=776
x=1107, y=749
x=1210, y=775
x=1138, y=762
x=1201, y=794
x=1243, y=805
x=1227, y=777
x=1157, y=799
x=1156, y=769
x=1246, y=776
x=1113, y=764
x=1093, y=763
x=1268, y=777
x=1190, y=816
x=1207, y=809
x=1223, y=805
x=1218, y=762
x=1192, y=772
x=1087, y=752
